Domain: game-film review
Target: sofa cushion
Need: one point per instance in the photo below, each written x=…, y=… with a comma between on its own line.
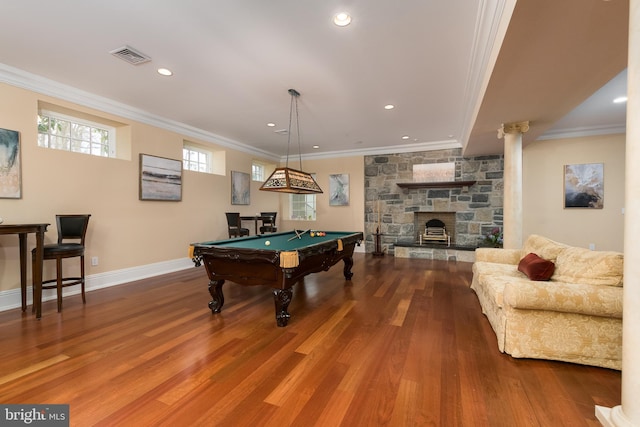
x=543, y=247
x=580, y=265
x=536, y=268
x=492, y=278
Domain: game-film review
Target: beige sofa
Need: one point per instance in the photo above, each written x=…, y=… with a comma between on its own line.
x=576, y=316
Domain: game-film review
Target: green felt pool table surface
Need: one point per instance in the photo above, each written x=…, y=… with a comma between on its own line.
x=284, y=241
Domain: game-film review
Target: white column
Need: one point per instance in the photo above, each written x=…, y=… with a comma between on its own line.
x=512, y=200
x=628, y=413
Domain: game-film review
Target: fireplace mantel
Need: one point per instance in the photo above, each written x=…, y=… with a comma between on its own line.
x=435, y=184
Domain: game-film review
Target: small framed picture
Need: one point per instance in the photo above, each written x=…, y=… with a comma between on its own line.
x=160, y=178
x=240, y=188
x=10, y=168
x=584, y=186
x=339, y=189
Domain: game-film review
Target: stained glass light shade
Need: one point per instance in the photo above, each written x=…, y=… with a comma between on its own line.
x=287, y=180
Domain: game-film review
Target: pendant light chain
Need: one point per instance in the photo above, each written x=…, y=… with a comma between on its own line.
x=298, y=132
x=290, y=121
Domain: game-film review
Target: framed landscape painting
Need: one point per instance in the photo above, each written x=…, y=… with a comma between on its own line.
x=584, y=186
x=10, y=168
x=160, y=178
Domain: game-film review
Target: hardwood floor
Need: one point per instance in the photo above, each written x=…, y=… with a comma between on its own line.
x=403, y=344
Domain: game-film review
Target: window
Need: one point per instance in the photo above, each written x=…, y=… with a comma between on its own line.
x=257, y=171
x=303, y=206
x=201, y=158
x=62, y=132
x=196, y=159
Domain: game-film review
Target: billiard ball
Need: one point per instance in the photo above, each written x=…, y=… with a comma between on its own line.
x=267, y=243
x=312, y=234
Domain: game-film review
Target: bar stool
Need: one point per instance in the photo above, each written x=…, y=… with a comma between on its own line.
x=70, y=227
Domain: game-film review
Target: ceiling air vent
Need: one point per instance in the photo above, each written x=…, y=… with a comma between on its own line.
x=130, y=55
x=281, y=131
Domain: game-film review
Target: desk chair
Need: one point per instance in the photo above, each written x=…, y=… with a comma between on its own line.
x=233, y=223
x=269, y=222
x=70, y=227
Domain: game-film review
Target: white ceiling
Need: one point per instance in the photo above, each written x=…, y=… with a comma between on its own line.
x=234, y=60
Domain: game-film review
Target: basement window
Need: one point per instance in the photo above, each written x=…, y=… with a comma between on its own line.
x=198, y=158
x=303, y=207
x=257, y=171
x=63, y=132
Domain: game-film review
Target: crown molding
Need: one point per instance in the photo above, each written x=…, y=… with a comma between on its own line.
x=25, y=80
x=491, y=27
x=391, y=149
x=582, y=132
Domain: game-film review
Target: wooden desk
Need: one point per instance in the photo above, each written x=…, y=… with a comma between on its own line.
x=22, y=230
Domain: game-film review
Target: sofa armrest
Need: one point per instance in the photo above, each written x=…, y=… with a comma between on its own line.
x=593, y=300
x=499, y=255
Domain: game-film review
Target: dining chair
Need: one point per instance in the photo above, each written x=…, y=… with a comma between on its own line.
x=233, y=224
x=268, y=222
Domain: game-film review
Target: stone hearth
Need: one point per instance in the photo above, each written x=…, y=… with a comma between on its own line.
x=397, y=207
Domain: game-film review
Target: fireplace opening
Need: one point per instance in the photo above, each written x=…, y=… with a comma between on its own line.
x=436, y=220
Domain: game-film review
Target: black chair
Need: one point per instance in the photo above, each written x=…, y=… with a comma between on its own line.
x=268, y=222
x=233, y=223
x=74, y=228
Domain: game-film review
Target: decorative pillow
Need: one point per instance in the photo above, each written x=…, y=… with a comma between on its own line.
x=536, y=268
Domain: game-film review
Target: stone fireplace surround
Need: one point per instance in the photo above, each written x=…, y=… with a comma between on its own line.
x=400, y=212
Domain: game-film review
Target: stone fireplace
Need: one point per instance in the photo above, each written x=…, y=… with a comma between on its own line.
x=470, y=206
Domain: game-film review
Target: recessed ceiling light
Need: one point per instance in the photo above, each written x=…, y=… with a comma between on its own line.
x=165, y=72
x=405, y=137
x=620, y=99
x=389, y=107
x=271, y=124
x=316, y=147
x=342, y=19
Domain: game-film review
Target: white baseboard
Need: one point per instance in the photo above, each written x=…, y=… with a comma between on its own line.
x=12, y=299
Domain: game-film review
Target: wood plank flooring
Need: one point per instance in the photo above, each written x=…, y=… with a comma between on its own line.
x=404, y=343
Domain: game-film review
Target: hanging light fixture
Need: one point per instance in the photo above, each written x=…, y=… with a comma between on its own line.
x=287, y=180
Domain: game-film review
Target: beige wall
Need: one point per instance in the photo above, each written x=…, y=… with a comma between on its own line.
x=543, y=188
x=333, y=218
x=125, y=232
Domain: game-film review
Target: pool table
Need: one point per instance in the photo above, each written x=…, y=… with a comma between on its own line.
x=277, y=260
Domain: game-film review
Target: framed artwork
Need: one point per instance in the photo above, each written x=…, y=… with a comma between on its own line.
x=10, y=168
x=584, y=186
x=160, y=178
x=339, y=189
x=434, y=172
x=240, y=188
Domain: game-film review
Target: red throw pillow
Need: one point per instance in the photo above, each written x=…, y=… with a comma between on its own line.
x=536, y=268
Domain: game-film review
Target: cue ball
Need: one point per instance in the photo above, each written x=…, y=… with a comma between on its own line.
x=267, y=243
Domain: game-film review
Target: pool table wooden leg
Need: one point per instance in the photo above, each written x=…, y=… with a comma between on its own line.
x=282, y=298
x=215, y=290
x=348, y=263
